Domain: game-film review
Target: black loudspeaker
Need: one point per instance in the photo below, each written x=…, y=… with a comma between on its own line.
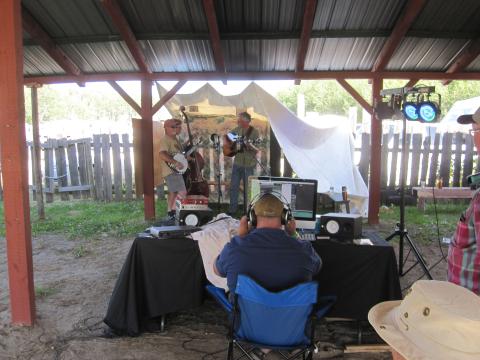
x=194, y=217
x=341, y=226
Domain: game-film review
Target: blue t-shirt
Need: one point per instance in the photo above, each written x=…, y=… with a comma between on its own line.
x=273, y=259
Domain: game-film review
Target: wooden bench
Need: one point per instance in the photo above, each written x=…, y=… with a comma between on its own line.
x=424, y=193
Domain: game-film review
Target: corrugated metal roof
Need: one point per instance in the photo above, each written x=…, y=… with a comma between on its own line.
x=37, y=62
x=357, y=14
x=259, y=15
x=342, y=53
x=101, y=57
x=71, y=18
x=178, y=55
x=416, y=54
x=148, y=17
x=257, y=35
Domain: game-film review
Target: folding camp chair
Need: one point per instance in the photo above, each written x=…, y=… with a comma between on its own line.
x=281, y=321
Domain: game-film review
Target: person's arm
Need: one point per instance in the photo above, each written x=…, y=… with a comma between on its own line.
x=165, y=156
x=215, y=270
x=291, y=228
x=243, y=228
x=220, y=264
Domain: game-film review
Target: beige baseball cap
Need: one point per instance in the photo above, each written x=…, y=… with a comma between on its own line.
x=268, y=205
x=470, y=119
x=436, y=320
x=171, y=122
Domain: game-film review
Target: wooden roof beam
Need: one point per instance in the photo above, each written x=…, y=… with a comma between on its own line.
x=255, y=75
x=308, y=17
x=411, y=82
x=168, y=95
x=121, y=23
x=36, y=31
x=410, y=13
x=464, y=59
x=214, y=34
x=126, y=97
x=363, y=103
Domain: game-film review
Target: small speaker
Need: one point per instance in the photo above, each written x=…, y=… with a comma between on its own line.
x=194, y=217
x=341, y=226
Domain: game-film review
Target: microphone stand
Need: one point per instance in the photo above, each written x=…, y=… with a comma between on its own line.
x=218, y=174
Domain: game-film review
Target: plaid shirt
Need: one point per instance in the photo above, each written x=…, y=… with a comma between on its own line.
x=464, y=250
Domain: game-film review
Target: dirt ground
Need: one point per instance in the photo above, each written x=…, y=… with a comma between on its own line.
x=74, y=281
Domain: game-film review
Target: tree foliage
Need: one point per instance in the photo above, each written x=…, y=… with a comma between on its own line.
x=61, y=102
x=329, y=97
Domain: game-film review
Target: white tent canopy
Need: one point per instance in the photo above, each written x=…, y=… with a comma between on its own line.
x=321, y=151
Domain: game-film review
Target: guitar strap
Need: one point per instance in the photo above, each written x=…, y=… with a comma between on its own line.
x=249, y=132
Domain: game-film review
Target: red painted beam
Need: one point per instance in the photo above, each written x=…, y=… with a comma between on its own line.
x=411, y=82
x=125, y=97
x=410, y=13
x=209, y=9
x=265, y=75
x=121, y=23
x=464, y=59
x=375, y=158
x=308, y=17
x=363, y=103
x=14, y=165
x=31, y=26
x=147, y=151
x=256, y=75
x=168, y=95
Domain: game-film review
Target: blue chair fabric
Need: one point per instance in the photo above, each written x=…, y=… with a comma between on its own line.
x=282, y=320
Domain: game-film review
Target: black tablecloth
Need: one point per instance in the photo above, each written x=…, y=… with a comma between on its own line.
x=165, y=276
x=159, y=276
x=359, y=275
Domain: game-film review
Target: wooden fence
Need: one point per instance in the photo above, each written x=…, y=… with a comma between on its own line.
x=101, y=168
x=449, y=156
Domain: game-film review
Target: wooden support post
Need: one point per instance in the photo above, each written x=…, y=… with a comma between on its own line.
x=275, y=155
x=37, y=155
x=375, y=159
x=147, y=151
x=14, y=165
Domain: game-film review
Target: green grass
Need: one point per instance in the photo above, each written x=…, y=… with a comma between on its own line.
x=42, y=292
x=89, y=219
x=422, y=226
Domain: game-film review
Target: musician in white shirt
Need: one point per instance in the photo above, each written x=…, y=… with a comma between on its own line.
x=245, y=161
x=168, y=148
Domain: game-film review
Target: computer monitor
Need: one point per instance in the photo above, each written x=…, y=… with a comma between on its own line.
x=301, y=195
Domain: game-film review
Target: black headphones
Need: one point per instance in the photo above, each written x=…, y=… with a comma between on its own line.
x=286, y=213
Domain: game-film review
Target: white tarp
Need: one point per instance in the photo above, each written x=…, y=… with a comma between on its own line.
x=461, y=107
x=322, y=151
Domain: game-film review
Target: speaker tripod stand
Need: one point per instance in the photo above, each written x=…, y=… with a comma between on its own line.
x=400, y=229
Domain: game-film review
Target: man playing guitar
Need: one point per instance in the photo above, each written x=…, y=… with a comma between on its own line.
x=245, y=161
x=168, y=148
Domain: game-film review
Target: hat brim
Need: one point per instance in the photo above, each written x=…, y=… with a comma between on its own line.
x=382, y=318
x=465, y=119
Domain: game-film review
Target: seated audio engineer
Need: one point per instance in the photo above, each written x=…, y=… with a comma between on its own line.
x=266, y=248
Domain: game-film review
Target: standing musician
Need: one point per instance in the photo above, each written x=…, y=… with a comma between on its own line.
x=169, y=146
x=244, y=162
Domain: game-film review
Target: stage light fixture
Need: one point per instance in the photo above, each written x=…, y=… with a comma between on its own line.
x=410, y=110
x=428, y=112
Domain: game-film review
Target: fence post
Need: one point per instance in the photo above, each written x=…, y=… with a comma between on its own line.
x=117, y=167
x=468, y=160
x=457, y=165
x=127, y=165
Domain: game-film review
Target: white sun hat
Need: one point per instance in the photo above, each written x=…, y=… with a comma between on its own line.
x=436, y=320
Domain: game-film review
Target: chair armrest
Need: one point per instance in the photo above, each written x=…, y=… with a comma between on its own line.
x=220, y=296
x=324, y=303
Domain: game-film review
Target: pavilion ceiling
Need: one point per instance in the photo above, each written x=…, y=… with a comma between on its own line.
x=95, y=40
